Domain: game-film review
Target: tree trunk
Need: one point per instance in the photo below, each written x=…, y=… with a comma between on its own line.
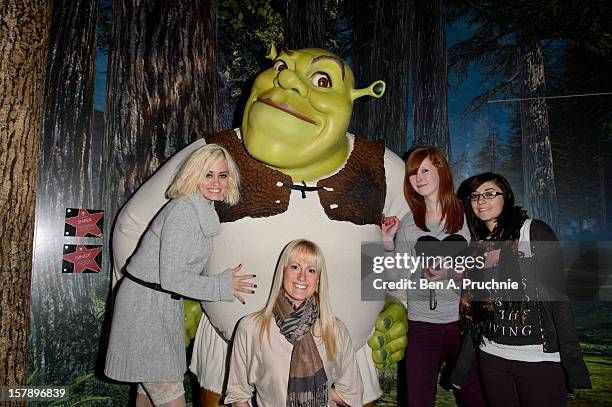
x=64, y=305
x=23, y=52
x=380, y=51
x=603, y=196
x=540, y=195
x=162, y=87
x=428, y=60
x=304, y=24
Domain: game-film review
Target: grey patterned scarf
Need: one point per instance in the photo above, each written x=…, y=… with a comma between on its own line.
x=307, y=385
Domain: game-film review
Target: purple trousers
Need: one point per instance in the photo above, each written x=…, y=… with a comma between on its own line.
x=511, y=383
x=428, y=346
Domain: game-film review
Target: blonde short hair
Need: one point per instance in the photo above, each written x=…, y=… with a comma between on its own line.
x=193, y=171
x=327, y=320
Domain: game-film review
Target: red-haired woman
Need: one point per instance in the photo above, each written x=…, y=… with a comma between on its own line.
x=433, y=314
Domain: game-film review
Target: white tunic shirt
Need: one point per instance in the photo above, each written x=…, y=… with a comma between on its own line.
x=263, y=368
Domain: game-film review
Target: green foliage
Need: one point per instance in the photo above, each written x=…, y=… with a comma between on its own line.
x=100, y=308
x=87, y=390
x=594, y=326
x=246, y=28
x=103, y=282
x=241, y=14
x=600, y=371
x=338, y=27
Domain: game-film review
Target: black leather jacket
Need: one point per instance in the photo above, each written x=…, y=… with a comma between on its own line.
x=558, y=325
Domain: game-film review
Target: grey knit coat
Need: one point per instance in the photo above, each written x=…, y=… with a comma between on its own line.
x=146, y=339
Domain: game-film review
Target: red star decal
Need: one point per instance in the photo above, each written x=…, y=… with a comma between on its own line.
x=84, y=258
x=85, y=223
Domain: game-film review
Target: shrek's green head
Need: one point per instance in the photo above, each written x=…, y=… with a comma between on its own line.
x=297, y=115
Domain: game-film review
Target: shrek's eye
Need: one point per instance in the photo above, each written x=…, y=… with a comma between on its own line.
x=280, y=65
x=321, y=80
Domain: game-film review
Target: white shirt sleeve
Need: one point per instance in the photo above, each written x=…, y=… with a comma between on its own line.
x=347, y=382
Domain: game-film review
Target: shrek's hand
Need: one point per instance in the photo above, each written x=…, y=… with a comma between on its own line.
x=389, y=339
x=191, y=319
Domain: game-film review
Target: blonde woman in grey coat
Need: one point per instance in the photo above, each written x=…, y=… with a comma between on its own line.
x=146, y=340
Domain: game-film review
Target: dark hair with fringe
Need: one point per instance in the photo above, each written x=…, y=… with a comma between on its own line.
x=509, y=222
x=477, y=316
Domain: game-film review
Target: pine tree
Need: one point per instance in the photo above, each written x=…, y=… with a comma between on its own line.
x=380, y=51
x=304, y=23
x=162, y=88
x=66, y=180
x=429, y=76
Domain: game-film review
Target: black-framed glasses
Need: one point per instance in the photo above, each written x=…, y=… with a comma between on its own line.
x=486, y=195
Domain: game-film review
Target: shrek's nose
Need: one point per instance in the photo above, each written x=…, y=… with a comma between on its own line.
x=288, y=80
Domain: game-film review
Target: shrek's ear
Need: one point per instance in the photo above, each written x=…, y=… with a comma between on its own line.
x=376, y=89
x=271, y=54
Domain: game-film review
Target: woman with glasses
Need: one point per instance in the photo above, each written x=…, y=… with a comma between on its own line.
x=433, y=314
x=526, y=337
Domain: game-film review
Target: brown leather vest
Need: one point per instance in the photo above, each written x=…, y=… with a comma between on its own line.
x=355, y=194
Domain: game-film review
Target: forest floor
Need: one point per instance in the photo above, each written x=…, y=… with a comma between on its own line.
x=593, y=321
x=595, y=331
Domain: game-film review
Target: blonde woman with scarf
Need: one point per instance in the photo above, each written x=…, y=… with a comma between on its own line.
x=294, y=352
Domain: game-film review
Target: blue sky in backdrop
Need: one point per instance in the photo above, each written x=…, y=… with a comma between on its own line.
x=100, y=89
x=469, y=133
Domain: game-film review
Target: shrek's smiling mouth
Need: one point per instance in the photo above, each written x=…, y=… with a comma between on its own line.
x=286, y=109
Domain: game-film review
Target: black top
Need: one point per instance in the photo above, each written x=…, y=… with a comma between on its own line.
x=556, y=317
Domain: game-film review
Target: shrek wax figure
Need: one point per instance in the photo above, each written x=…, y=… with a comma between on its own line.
x=303, y=176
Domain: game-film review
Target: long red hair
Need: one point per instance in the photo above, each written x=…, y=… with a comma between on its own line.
x=452, y=210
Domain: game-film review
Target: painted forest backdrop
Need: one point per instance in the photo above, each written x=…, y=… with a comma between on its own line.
x=519, y=87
